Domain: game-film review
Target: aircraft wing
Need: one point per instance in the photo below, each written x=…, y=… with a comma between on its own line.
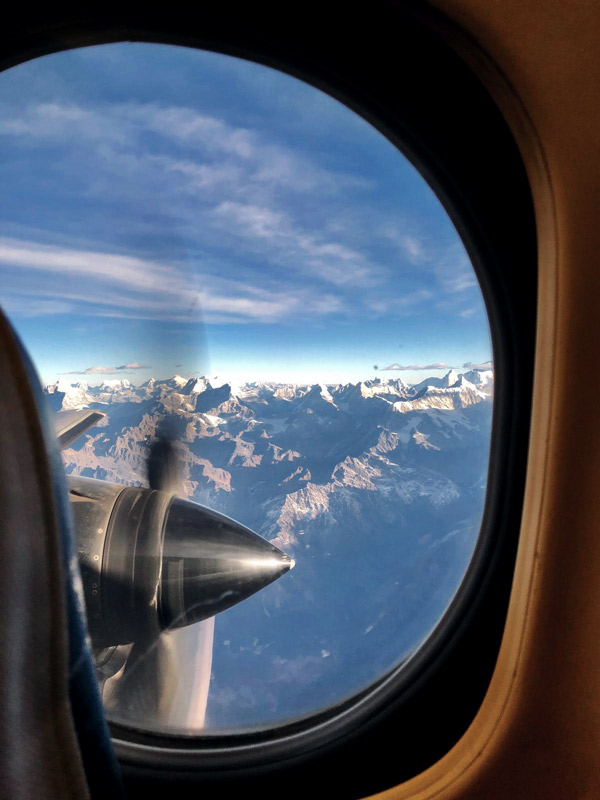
x=69, y=425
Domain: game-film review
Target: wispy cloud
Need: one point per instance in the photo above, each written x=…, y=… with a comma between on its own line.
x=116, y=269
x=93, y=371
x=133, y=365
x=31, y=307
x=331, y=261
x=469, y=312
x=126, y=369
x=60, y=121
x=187, y=125
x=454, y=270
x=221, y=151
x=174, y=211
x=404, y=302
x=197, y=161
x=123, y=286
x=448, y=263
x=485, y=366
x=402, y=367
x=411, y=245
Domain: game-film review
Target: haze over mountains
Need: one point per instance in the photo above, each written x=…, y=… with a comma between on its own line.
x=375, y=488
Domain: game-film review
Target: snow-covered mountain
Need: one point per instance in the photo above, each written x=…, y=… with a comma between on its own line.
x=375, y=488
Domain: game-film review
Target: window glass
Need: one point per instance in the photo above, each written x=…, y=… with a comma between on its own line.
x=196, y=244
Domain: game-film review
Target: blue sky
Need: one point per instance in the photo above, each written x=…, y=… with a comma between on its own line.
x=168, y=211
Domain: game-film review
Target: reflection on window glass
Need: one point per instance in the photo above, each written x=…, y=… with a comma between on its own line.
x=267, y=302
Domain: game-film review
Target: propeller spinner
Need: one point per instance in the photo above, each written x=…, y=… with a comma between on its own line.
x=152, y=561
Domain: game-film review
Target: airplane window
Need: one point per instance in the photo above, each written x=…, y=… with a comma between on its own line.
x=269, y=362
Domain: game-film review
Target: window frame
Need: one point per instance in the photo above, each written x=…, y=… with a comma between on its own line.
x=449, y=127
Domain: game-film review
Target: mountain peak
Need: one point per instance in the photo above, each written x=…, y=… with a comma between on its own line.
x=449, y=379
x=195, y=386
x=116, y=383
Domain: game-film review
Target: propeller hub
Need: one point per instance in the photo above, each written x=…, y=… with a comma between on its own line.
x=210, y=563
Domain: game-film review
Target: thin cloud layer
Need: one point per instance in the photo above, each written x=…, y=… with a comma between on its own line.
x=226, y=181
x=93, y=371
x=134, y=365
x=99, y=370
x=111, y=284
x=402, y=367
x=483, y=367
x=217, y=206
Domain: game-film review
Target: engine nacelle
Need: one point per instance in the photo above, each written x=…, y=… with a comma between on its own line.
x=151, y=561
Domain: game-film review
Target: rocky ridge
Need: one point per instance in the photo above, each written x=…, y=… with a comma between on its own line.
x=284, y=454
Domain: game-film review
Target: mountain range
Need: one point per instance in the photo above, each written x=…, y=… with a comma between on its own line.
x=375, y=488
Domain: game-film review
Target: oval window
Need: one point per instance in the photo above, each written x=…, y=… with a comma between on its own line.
x=275, y=324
